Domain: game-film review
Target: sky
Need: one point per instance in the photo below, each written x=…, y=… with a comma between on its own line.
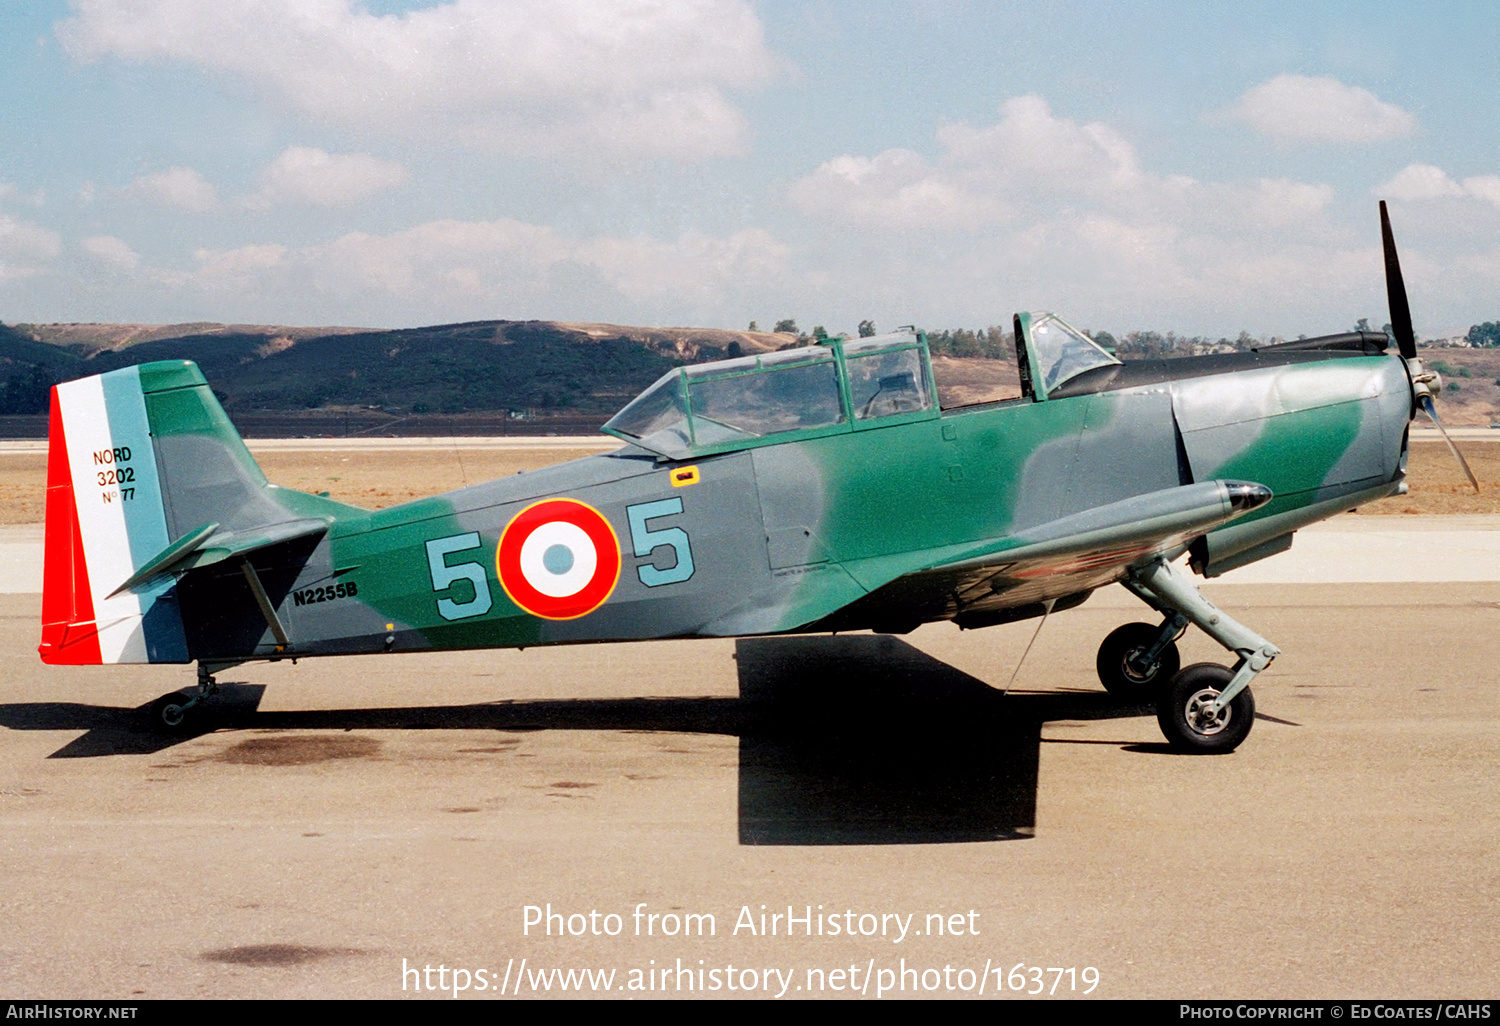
x=1200, y=167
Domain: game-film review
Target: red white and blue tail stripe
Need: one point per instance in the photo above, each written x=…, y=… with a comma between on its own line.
x=105, y=520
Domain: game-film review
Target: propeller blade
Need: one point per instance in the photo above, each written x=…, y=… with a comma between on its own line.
x=1432, y=412
x=1395, y=293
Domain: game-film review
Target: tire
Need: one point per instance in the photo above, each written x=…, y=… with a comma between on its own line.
x=1120, y=678
x=170, y=714
x=1185, y=728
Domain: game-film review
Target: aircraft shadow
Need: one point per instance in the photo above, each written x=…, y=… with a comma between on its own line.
x=867, y=740
x=847, y=740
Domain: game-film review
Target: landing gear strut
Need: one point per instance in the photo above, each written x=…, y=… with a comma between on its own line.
x=174, y=713
x=1137, y=660
x=1204, y=707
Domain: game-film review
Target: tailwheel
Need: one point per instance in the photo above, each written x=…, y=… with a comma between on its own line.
x=172, y=714
x=1122, y=667
x=178, y=712
x=1185, y=711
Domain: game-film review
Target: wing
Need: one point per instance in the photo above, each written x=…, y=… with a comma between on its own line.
x=1064, y=559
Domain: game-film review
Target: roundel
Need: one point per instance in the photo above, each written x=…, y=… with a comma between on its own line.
x=558, y=559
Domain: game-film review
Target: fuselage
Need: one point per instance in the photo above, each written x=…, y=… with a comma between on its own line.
x=814, y=529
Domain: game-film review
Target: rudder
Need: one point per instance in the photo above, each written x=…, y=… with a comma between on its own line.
x=105, y=518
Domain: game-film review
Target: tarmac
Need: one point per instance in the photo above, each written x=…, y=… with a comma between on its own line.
x=346, y=820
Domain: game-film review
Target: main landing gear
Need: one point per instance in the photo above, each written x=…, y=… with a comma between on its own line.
x=1205, y=707
x=177, y=712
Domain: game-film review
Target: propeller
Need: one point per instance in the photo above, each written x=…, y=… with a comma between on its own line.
x=1423, y=381
x=1426, y=402
x=1395, y=291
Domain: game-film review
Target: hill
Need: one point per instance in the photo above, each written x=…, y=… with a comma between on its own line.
x=361, y=379
x=538, y=366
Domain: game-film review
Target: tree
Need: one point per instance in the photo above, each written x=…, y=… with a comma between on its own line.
x=1486, y=334
x=1103, y=339
x=1363, y=324
x=1392, y=333
x=820, y=333
x=866, y=329
x=28, y=390
x=753, y=327
x=999, y=343
x=788, y=326
x=734, y=348
x=1146, y=344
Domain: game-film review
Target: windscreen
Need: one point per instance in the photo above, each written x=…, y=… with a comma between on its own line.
x=657, y=418
x=734, y=400
x=1063, y=352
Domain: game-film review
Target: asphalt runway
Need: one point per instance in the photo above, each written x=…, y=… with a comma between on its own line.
x=348, y=818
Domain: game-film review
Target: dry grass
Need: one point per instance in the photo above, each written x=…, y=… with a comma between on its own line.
x=1439, y=486
x=1476, y=400
x=379, y=479
x=23, y=488
x=962, y=381
x=376, y=480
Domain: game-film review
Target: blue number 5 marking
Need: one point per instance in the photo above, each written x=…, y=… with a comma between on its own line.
x=445, y=576
x=646, y=541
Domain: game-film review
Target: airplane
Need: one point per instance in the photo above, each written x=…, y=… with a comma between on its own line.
x=815, y=489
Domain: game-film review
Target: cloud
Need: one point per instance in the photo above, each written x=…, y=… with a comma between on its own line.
x=1037, y=210
x=439, y=258
x=25, y=248
x=304, y=174
x=1306, y=109
x=1034, y=165
x=695, y=265
x=110, y=252
x=181, y=188
x=1428, y=182
x=9, y=192
x=245, y=267
x=895, y=188
x=984, y=176
x=629, y=78
x=450, y=269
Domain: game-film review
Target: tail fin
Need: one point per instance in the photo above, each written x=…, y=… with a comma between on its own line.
x=105, y=518
x=144, y=470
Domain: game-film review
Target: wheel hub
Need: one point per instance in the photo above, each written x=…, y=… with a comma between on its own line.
x=1132, y=668
x=1200, y=716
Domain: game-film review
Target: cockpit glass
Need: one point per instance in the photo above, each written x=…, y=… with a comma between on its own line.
x=735, y=400
x=886, y=383
x=789, y=393
x=1063, y=352
x=657, y=417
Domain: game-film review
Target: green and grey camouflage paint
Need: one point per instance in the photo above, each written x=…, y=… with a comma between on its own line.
x=884, y=513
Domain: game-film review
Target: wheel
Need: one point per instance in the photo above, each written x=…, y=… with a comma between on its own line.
x=1123, y=679
x=1182, y=711
x=171, y=714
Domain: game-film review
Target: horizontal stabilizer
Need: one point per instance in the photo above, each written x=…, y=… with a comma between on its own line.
x=207, y=545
